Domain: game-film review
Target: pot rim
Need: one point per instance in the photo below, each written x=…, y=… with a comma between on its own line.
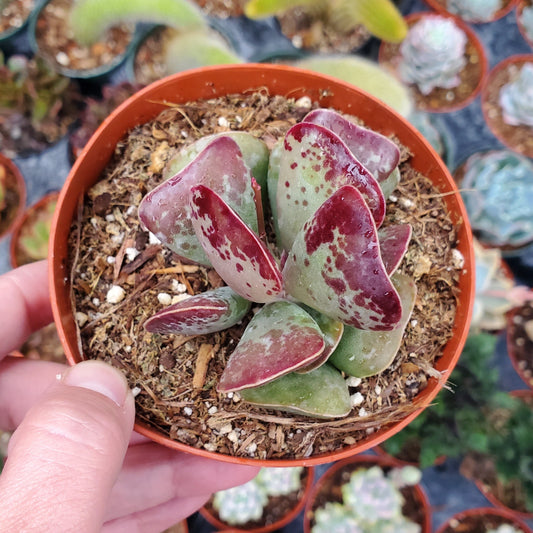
x=500, y=13
x=279, y=79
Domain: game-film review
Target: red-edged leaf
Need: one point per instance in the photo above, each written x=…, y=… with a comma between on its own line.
x=335, y=265
x=236, y=252
x=315, y=163
x=279, y=339
x=393, y=242
x=201, y=314
x=377, y=153
x=165, y=211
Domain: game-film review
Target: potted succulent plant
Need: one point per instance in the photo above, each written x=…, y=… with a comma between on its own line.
x=520, y=339
x=441, y=59
x=12, y=195
x=37, y=106
x=91, y=38
x=506, y=103
x=490, y=179
x=266, y=503
x=486, y=520
x=524, y=19
x=214, y=413
x=474, y=11
x=339, y=26
x=499, y=463
x=447, y=428
x=368, y=494
x=13, y=19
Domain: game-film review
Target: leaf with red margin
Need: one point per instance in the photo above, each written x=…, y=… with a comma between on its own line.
x=200, y=314
x=366, y=353
x=279, y=339
x=335, y=265
x=378, y=154
x=322, y=393
x=315, y=163
x=165, y=211
x=393, y=242
x=235, y=251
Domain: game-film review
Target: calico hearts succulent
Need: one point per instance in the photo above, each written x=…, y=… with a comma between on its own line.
x=331, y=301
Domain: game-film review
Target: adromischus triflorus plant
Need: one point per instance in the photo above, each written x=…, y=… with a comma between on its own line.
x=329, y=284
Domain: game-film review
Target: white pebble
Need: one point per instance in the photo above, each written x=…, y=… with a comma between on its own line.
x=180, y=298
x=187, y=411
x=96, y=302
x=223, y=122
x=304, y=102
x=252, y=448
x=111, y=260
x=212, y=410
x=115, y=294
x=110, y=217
x=363, y=412
x=132, y=253
x=62, y=59
x=164, y=298
x=136, y=391
x=377, y=389
x=81, y=318
x=153, y=239
x=352, y=381
x=356, y=399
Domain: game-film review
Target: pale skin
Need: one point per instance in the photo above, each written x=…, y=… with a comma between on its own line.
x=74, y=463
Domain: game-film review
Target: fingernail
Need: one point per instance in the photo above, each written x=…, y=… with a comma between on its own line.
x=99, y=377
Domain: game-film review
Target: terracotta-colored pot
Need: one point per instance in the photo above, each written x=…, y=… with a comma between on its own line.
x=517, y=138
x=16, y=191
x=210, y=82
x=439, y=6
x=526, y=394
x=303, y=495
x=521, y=4
x=389, y=55
x=484, y=516
x=17, y=256
x=339, y=473
x=524, y=371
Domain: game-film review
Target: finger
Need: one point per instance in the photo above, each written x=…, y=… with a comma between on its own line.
x=67, y=453
x=157, y=518
x=27, y=380
x=26, y=297
x=167, y=474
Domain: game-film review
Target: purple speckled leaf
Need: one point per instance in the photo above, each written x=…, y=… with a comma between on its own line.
x=280, y=338
x=165, y=211
x=393, y=242
x=236, y=252
x=335, y=265
x=377, y=153
x=200, y=314
x=313, y=165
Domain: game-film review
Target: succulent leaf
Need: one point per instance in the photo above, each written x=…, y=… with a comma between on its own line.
x=365, y=353
x=90, y=18
x=322, y=393
x=165, y=210
x=335, y=265
x=254, y=153
x=388, y=185
x=255, y=9
x=234, y=250
x=279, y=339
x=272, y=184
x=200, y=314
x=314, y=164
x=379, y=155
x=331, y=331
x=393, y=242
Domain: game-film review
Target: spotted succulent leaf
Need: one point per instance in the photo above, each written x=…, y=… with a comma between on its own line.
x=279, y=339
x=203, y=313
x=322, y=393
x=313, y=165
x=235, y=251
x=335, y=265
x=166, y=212
x=393, y=242
x=365, y=353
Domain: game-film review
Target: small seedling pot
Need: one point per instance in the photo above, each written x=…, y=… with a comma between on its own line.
x=210, y=82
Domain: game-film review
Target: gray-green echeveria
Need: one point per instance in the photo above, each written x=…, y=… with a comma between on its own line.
x=516, y=98
x=433, y=54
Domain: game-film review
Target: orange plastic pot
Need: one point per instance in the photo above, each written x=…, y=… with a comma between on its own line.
x=274, y=526
x=439, y=6
x=22, y=225
x=214, y=81
x=460, y=522
x=389, y=54
x=17, y=186
x=339, y=473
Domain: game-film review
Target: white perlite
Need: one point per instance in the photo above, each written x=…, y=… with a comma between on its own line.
x=115, y=294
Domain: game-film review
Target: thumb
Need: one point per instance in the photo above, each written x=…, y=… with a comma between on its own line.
x=66, y=454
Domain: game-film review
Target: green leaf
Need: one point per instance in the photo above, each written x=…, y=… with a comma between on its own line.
x=255, y=9
x=322, y=393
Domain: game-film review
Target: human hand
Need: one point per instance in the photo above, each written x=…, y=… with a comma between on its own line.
x=74, y=463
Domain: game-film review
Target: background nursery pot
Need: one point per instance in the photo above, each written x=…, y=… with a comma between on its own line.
x=12, y=195
x=277, y=80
